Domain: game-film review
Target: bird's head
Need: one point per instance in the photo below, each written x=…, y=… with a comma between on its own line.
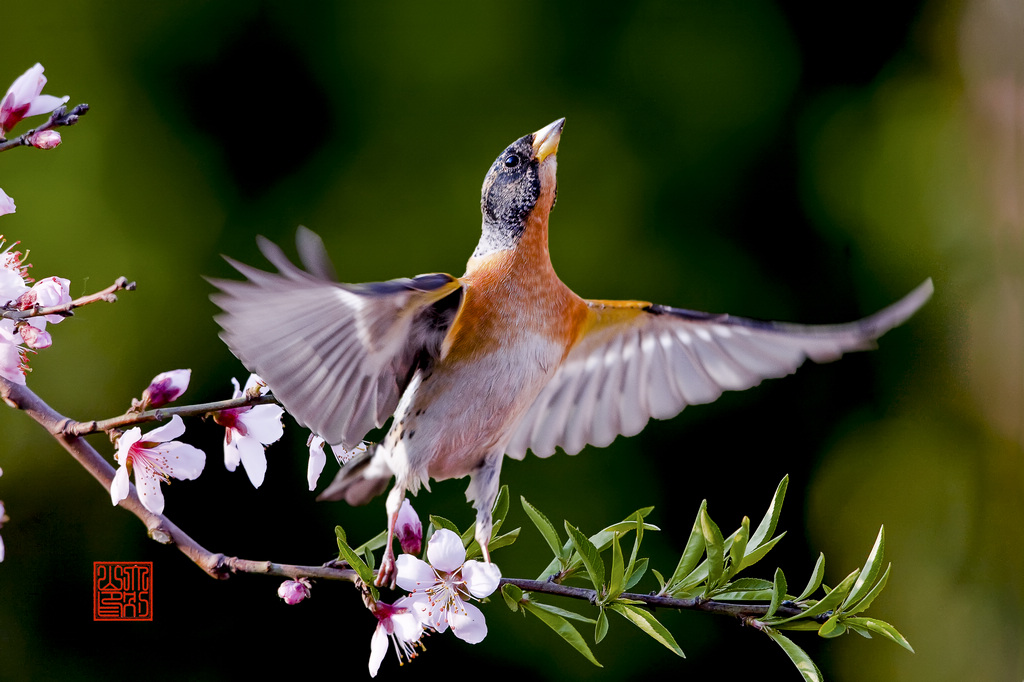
x=520, y=184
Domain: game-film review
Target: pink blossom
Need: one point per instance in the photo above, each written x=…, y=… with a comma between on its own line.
x=399, y=623
x=165, y=387
x=45, y=139
x=409, y=529
x=294, y=591
x=248, y=430
x=23, y=99
x=12, y=356
x=439, y=590
x=46, y=293
x=154, y=460
x=317, y=460
x=34, y=337
x=6, y=204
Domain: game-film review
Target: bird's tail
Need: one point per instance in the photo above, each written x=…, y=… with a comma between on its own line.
x=359, y=481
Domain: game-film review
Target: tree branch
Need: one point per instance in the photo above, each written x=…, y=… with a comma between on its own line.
x=160, y=528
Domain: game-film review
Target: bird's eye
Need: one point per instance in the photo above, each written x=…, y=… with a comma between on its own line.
x=511, y=161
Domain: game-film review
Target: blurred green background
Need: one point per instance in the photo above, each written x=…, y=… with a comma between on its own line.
x=759, y=158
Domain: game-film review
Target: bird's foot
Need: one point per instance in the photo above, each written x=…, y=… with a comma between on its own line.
x=387, y=572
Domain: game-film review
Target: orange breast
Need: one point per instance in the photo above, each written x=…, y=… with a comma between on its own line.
x=513, y=294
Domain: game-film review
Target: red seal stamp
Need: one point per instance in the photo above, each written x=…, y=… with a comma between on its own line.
x=122, y=590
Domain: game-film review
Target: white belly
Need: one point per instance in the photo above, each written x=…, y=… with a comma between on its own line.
x=450, y=418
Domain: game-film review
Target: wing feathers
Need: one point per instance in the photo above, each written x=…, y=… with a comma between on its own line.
x=636, y=361
x=336, y=355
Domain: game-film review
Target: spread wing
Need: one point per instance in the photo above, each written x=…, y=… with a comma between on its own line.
x=337, y=356
x=637, y=360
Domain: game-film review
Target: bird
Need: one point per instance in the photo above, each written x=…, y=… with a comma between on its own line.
x=500, y=361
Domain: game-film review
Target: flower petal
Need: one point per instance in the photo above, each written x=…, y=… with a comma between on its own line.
x=254, y=459
x=414, y=574
x=147, y=484
x=317, y=460
x=44, y=104
x=481, y=578
x=168, y=431
x=468, y=623
x=232, y=456
x=264, y=423
x=445, y=550
x=378, y=647
x=185, y=461
x=119, y=486
x=125, y=443
x=6, y=204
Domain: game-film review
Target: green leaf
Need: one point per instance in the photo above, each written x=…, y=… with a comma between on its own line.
x=816, y=576
x=499, y=511
x=358, y=565
x=778, y=593
x=828, y=602
x=374, y=543
x=600, y=540
x=870, y=572
x=661, y=579
x=601, y=629
x=563, y=628
x=833, y=627
x=440, y=522
x=505, y=540
x=512, y=595
x=771, y=517
x=638, y=572
x=806, y=667
x=571, y=615
x=744, y=584
x=368, y=557
x=547, y=530
x=468, y=535
x=745, y=589
x=800, y=625
x=646, y=621
x=617, y=582
x=637, y=539
x=738, y=548
x=692, y=553
x=753, y=557
x=714, y=544
x=589, y=555
x=882, y=628
x=863, y=604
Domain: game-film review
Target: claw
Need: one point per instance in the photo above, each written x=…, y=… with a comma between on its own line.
x=386, y=574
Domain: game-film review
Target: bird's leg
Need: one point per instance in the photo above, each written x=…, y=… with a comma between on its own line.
x=483, y=491
x=386, y=574
x=483, y=532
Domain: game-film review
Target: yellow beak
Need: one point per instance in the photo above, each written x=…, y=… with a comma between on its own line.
x=545, y=140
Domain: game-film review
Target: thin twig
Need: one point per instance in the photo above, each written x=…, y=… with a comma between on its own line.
x=737, y=610
x=106, y=295
x=73, y=428
x=60, y=117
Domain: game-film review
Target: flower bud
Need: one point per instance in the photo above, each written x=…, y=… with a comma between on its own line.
x=166, y=387
x=294, y=591
x=409, y=529
x=34, y=337
x=45, y=139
